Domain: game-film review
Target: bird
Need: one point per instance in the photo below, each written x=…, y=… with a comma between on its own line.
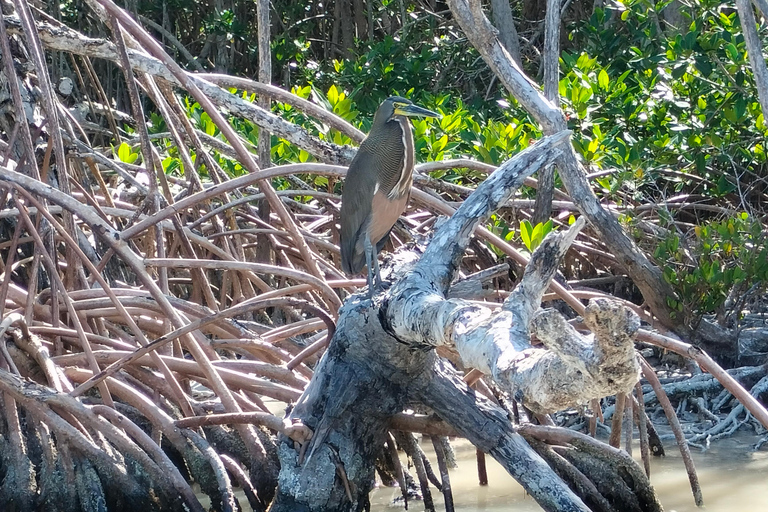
x=377, y=187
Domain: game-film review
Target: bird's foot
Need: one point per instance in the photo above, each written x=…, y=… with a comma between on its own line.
x=379, y=287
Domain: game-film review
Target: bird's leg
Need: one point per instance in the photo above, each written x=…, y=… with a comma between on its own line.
x=377, y=272
x=369, y=258
x=372, y=261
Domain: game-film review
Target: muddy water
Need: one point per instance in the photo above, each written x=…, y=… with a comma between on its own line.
x=732, y=477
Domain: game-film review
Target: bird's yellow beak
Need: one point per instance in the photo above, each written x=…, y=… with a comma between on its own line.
x=411, y=110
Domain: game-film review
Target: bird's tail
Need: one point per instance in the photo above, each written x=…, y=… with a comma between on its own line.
x=352, y=257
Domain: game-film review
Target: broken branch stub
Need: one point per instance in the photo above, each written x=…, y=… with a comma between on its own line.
x=574, y=368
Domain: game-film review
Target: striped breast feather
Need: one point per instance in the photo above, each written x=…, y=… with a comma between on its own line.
x=389, y=154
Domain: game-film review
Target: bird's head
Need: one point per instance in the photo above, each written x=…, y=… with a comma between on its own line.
x=397, y=106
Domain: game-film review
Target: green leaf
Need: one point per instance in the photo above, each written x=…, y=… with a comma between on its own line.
x=537, y=235
x=333, y=95
x=124, y=152
x=733, y=51
x=602, y=79
x=547, y=229
x=526, y=232
x=440, y=144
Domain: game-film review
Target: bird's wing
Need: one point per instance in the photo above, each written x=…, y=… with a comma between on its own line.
x=356, y=200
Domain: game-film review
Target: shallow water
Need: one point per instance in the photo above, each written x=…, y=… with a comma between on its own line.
x=732, y=477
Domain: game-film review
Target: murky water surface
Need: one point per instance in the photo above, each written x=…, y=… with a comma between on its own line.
x=732, y=476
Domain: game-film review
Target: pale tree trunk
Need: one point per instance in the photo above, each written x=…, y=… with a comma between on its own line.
x=763, y=6
x=381, y=361
x=754, y=52
x=545, y=190
x=674, y=18
x=264, y=253
x=505, y=23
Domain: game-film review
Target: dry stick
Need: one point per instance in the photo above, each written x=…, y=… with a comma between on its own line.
x=158, y=455
x=9, y=264
x=50, y=103
x=243, y=481
x=319, y=284
x=200, y=279
x=615, y=437
x=189, y=83
x=48, y=96
x=597, y=411
x=112, y=237
x=256, y=418
x=669, y=411
x=294, y=329
x=628, y=417
x=189, y=369
x=32, y=346
x=244, y=307
x=482, y=471
x=179, y=395
x=708, y=364
x=13, y=86
x=29, y=307
x=392, y=447
x=136, y=109
x=264, y=252
x=255, y=197
x=260, y=350
x=54, y=276
x=639, y=415
x=102, y=95
x=542, y=210
x=411, y=448
x=175, y=113
x=444, y=476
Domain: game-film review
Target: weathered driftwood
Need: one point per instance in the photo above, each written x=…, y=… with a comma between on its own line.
x=381, y=361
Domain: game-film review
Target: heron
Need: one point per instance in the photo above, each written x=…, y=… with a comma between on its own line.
x=378, y=186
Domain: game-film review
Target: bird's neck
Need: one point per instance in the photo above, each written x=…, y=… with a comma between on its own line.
x=403, y=185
